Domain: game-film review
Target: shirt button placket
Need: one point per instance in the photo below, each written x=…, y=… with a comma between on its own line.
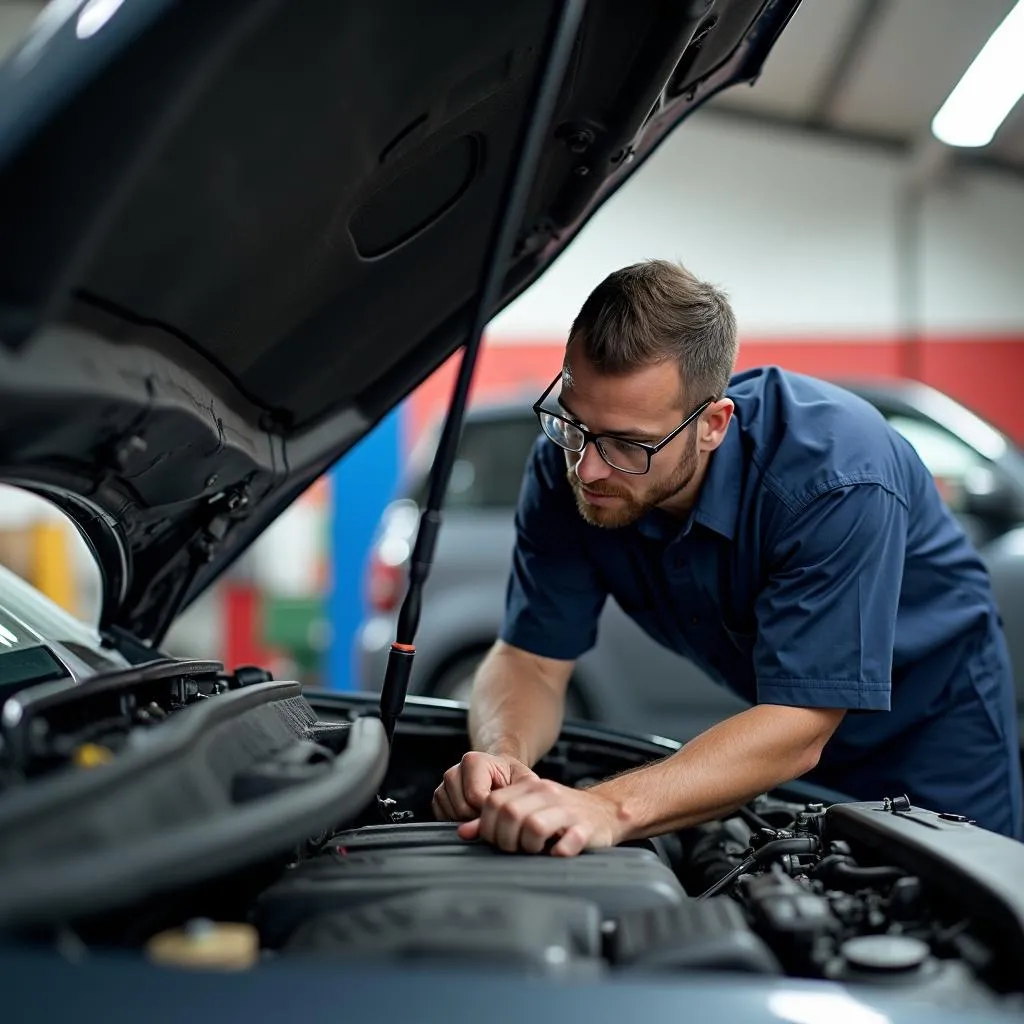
x=683, y=588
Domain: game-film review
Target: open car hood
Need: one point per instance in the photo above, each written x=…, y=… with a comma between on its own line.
x=236, y=234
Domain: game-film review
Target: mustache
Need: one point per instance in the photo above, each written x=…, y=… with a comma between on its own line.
x=603, y=492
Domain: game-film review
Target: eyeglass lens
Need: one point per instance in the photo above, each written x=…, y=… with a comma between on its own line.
x=621, y=455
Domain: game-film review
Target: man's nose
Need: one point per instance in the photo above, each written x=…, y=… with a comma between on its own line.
x=590, y=467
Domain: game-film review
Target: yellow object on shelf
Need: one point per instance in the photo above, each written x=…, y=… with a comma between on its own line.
x=208, y=945
x=50, y=568
x=89, y=755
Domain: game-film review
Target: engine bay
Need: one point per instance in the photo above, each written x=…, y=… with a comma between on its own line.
x=417, y=891
x=199, y=819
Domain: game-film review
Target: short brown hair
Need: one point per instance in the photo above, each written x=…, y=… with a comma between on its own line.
x=657, y=310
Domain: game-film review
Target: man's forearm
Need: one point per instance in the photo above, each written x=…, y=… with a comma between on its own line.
x=514, y=711
x=721, y=769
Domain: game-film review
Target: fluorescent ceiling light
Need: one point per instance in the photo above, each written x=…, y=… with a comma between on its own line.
x=990, y=88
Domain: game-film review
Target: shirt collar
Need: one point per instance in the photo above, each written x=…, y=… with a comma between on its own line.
x=718, y=503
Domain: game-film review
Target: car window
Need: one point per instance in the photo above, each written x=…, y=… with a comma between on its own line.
x=960, y=471
x=22, y=602
x=30, y=624
x=23, y=659
x=489, y=468
x=945, y=455
x=49, y=595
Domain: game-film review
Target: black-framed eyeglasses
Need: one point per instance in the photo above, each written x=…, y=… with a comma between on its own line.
x=620, y=453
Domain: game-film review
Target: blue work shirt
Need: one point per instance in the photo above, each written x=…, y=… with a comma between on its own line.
x=819, y=567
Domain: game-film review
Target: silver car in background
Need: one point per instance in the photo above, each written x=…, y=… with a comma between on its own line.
x=628, y=680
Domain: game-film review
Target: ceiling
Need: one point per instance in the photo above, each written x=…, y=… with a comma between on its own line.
x=877, y=71
x=874, y=71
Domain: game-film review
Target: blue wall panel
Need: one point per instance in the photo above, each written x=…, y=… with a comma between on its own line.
x=362, y=484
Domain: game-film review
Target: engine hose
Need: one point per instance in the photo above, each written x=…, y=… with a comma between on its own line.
x=752, y=818
x=768, y=852
x=844, y=873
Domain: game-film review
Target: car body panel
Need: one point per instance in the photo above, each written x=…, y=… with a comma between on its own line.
x=432, y=995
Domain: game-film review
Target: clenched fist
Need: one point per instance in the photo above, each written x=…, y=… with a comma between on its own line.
x=467, y=785
x=535, y=814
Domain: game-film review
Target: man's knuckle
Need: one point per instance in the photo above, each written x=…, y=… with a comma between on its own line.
x=535, y=824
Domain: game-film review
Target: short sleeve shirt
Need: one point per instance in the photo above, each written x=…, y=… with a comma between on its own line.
x=819, y=567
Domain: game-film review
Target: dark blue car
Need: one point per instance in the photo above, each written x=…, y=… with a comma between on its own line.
x=234, y=234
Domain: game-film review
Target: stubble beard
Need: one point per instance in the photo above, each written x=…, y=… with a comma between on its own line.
x=631, y=506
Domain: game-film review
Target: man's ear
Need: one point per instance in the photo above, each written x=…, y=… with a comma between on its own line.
x=714, y=422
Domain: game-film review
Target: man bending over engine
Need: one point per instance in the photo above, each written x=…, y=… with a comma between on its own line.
x=770, y=527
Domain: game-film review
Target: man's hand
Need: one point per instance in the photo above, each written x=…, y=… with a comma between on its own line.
x=467, y=785
x=529, y=814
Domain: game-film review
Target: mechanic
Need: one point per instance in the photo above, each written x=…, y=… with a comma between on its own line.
x=774, y=529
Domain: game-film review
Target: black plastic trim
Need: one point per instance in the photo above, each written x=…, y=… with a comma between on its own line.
x=71, y=883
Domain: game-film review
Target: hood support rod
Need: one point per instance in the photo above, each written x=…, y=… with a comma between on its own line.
x=533, y=132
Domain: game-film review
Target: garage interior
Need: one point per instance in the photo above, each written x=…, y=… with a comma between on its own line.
x=851, y=241
x=264, y=806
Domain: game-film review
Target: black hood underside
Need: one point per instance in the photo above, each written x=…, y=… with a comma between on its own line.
x=236, y=234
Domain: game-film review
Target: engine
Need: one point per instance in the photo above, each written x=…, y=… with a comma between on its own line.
x=816, y=887
x=768, y=892
x=204, y=820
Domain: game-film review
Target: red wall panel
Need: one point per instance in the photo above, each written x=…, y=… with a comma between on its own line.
x=983, y=373
x=986, y=374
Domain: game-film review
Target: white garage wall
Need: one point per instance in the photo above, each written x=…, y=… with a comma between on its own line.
x=802, y=233
x=973, y=245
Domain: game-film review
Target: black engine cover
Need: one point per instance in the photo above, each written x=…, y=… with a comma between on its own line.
x=521, y=930
x=375, y=864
